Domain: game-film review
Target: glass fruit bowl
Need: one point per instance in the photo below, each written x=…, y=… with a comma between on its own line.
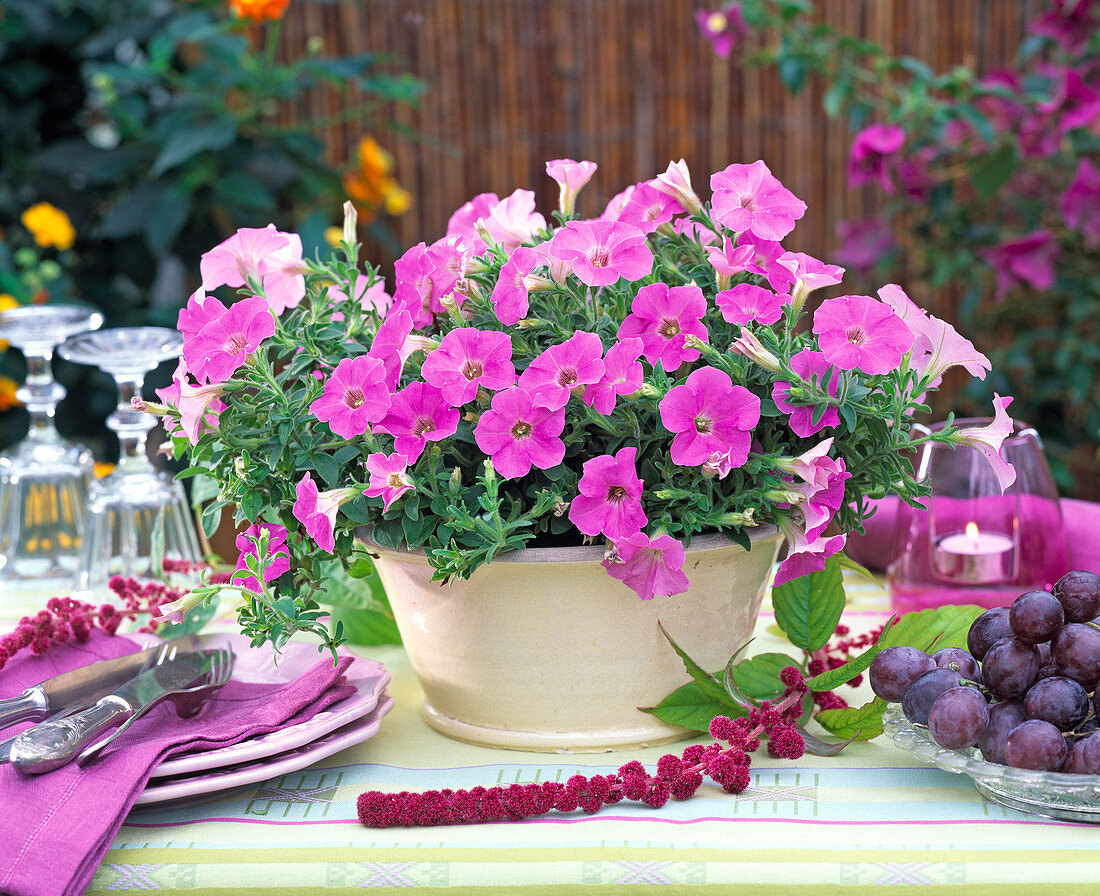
x=1051, y=794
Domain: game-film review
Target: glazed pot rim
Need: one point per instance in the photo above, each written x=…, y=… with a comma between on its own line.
x=577, y=553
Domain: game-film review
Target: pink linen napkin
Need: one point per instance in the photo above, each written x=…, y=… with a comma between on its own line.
x=56, y=827
x=875, y=549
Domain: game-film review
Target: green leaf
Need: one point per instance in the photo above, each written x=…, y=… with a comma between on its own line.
x=185, y=143
x=863, y=722
x=689, y=707
x=944, y=626
x=991, y=172
x=708, y=683
x=834, y=678
x=758, y=676
x=808, y=608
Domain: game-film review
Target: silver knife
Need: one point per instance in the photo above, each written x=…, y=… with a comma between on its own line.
x=85, y=685
x=52, y=744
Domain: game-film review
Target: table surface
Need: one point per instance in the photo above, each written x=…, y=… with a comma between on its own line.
x=869, y=817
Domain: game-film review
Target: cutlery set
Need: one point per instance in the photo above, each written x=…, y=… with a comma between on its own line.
x=75, y=709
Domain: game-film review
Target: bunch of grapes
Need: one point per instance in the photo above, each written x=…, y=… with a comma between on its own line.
x=1025, y=690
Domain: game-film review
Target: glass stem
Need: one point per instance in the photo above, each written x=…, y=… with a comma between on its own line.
x=130, y=425
x=40, y=393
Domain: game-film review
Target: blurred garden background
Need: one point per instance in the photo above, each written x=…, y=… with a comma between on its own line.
x=947, y=145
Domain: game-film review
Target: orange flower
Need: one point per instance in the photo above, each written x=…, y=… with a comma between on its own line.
x=49, y=226
x=372, y=187
x=7, y=394
x=259, y=10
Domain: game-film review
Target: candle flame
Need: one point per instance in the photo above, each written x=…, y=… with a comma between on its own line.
x=971, y=530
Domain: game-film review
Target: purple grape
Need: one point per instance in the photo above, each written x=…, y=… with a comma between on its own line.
x=1075, y=759
x=1079, y=594
x=1058, y=700
x=958, y=718
x=1076, y=651
x=1036, y=616
x=1003, y=717
x=1009, y=667
x=918, y=698
x=894, y=669
x=1035, y=744
x=965, y=664
x=1090, y=754
x=1047, y=667
x=986, y=630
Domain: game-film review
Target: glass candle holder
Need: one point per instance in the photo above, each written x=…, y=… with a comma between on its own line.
x=971, y=544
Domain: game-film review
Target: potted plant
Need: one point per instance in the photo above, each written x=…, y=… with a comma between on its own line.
x=608, y=400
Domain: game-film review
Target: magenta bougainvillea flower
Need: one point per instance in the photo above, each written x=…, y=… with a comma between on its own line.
x=262, y=258
x=571, y=177
x=648, y=566
x=418, y=414
x=864, y=243
x=226, y=342
x=1069, y=23
x=355, y=395
x=709, y=414
x=388, y=479
x=316, y=510
x=467, y=358
x=988, y=439
x=937, y=346
x=622, y=375
x=724, y=27
x=516, y=433
x=870, y=157
x=859, y=332
x=807, y=365
x=1080, y=204
x=609, y=499
x=1025, y=261
x=277, y=553
x=562, y=368
x=509, y=296
x=662, y=317
x=1075, y=103
x=602, y=251
x=747, y=302
x=750, y=198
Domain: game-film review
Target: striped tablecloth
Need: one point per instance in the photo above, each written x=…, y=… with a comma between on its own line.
x=871, y=817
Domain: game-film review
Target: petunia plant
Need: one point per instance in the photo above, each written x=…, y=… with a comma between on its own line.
x=630, y=380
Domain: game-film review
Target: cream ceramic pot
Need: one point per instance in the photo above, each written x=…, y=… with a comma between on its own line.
x=542, y=650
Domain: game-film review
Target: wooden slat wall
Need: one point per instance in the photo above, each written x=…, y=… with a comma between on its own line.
x=629, y=84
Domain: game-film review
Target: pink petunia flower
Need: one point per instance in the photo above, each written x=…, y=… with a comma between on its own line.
x=869, y=159
x=750, y=198
x=513, y=221
x=809, y=274
x=516, y=433
x=648, y=208
x=278, y=555
x=724, y=28
x=987, y=440
x=709, y=415
x=937, y=346
x=200, y=310
x=510, y=295
x=355, y=395
x=648, y=566
x=418, y=414
x=864, y=243
x=571, y=177
x=199, y=406
x=413, y=289
x=1025, y=261
x=1080, y=206
x=388, y=479
x=564, y=368
x=226, y=342
x=622, y=375
x=858, y=332
x=746, y=302
x=261, y=257
x=810, y=559
x=765, y=261
x=729, y=260
x=317, y=510
x=807, y=365
x=467, y=358
x=389, y=344
x=676, y=182
x=662, y=316
x=464, y=221
x=603, y=251
x=822, y=491
x=609, y=499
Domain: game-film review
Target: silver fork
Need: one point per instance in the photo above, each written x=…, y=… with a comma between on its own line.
x=188, y=701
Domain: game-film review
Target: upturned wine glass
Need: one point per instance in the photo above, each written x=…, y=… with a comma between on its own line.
x=44, y=479
x=139, y=523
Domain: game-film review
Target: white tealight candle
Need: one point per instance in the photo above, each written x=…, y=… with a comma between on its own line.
x=975, y=557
